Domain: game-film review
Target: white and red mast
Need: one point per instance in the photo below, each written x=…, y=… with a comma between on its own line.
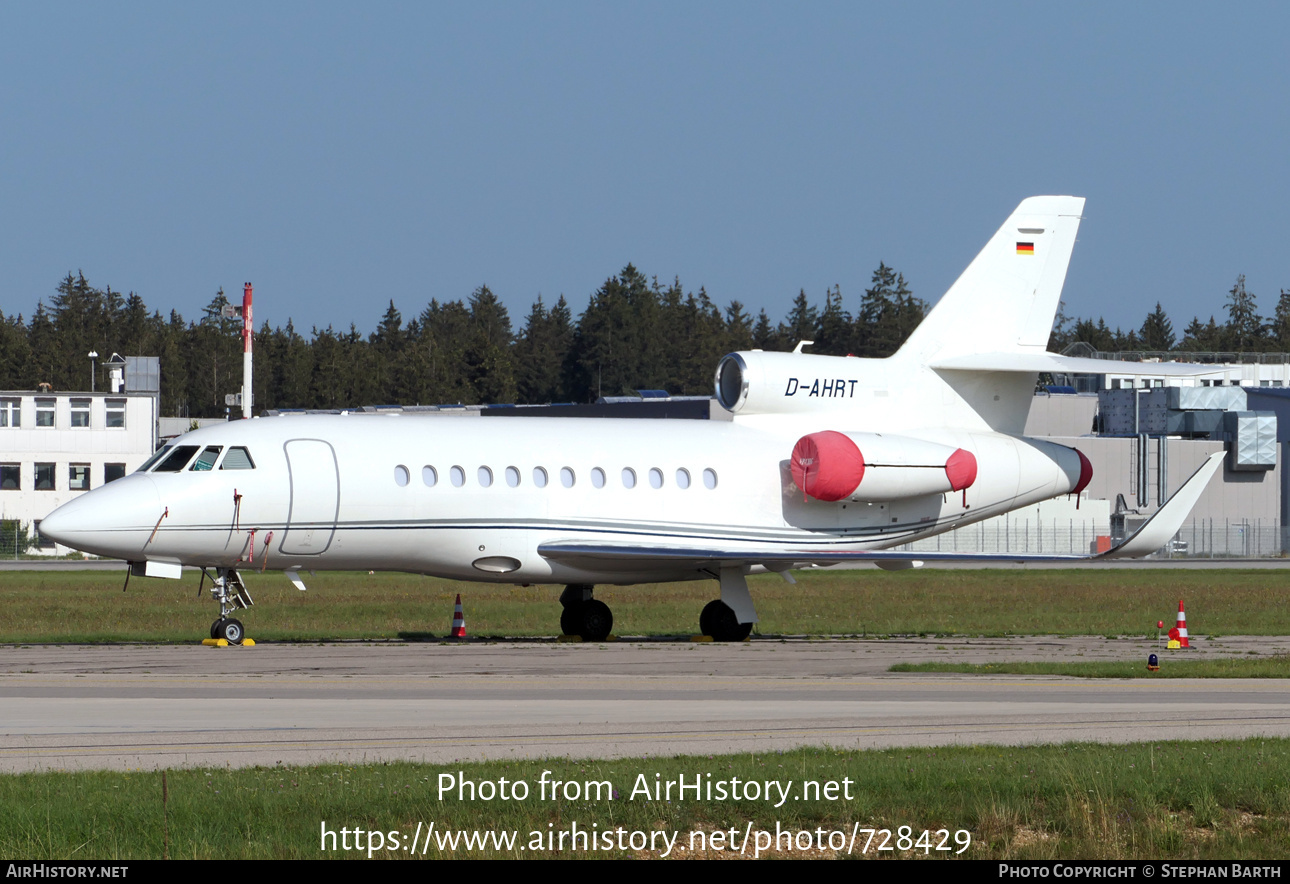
x=247, y=329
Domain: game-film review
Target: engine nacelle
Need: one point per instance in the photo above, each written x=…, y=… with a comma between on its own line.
x=759, y=382
x=876, y=467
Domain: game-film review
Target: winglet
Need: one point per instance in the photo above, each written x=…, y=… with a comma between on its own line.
x=1164, y=524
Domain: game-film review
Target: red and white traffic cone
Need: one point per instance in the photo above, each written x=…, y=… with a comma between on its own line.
x=459, y=620
x=1182, y=626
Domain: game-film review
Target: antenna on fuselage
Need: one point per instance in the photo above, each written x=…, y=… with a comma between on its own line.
x=801, y=344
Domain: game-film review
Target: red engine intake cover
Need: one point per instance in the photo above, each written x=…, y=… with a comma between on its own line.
x=827, y=465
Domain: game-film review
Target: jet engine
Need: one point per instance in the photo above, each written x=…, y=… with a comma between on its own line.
x=876, y=467
x=757, y=382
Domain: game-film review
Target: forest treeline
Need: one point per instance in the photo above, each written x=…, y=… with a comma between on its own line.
x=635, y=333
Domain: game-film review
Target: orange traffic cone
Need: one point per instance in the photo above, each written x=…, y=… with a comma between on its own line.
x=1182, y=626
x=459, y=620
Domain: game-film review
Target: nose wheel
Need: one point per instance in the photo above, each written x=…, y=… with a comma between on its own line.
x=228, y=629
x=231, y=594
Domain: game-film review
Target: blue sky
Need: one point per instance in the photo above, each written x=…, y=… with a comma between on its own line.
x=339, y=156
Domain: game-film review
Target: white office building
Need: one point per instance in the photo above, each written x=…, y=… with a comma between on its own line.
x=54, y=446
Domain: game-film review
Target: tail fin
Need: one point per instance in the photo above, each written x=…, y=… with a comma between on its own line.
x=1007, y=298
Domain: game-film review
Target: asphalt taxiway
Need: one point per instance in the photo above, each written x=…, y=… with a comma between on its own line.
x=148, y=707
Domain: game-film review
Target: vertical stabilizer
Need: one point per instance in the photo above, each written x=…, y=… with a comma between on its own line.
x=1007, y=298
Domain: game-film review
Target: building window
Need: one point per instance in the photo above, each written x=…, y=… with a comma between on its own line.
x=44, y=412
x=80, y=412
x=78, y=477
x=115, y=414
x=42, y=542
x=112, y=472
x=45, y=476
x=10, y=477
x=10, y=412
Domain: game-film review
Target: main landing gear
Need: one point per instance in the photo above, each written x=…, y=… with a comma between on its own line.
x=727, y=619
x=731, y=617
x=718, y=622
x=231, y=593
x=583, y=615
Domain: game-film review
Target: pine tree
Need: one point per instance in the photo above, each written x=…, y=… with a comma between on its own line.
x=1244, y=330
x=802, y=323
x=1280, y=331
x=836, y=334
x=1157, y=332
x=888, y=313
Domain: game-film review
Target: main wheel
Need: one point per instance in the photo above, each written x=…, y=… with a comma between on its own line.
x=231, y=631
x=597, y=621
x=719, y=621
x=571, y=619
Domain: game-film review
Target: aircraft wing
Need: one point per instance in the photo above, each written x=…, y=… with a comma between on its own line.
x=632, y=557
x=1042, y=361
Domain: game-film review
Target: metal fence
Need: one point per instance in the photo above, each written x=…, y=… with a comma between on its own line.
x=14, y=539
x=1021, y=536
x=1199, y=538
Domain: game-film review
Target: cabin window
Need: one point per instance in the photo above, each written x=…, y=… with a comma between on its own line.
x=683, y=478
x=178, y=459
x=513, y=477
x=709, y=479
x=80, y=412
x=401, y=476
x=44, y=412
x=485, y=476
x=458, y=476
x=156, y=456
x=655, y=478
x=112, y=472
x=115, y=414
x=78, y=477
x=11, y=477
x=10, y=412
x=566, y=477
x=539, y=477
x=206, y=460
x=598, y=477
x=238, y=458
x=45, y=476
x=629, y=477
x=429, y=476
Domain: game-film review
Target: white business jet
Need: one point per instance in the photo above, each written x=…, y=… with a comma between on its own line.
x=826, y=460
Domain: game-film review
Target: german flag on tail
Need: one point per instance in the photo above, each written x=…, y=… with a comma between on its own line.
x=1025, y=248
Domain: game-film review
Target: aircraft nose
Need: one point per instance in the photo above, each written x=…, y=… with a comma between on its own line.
x=114, y=520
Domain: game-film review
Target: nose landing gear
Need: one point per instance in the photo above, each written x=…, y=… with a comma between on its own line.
x=231, y=593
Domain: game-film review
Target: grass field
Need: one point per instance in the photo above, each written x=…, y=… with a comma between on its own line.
x=90, y=606
x=1210, y=800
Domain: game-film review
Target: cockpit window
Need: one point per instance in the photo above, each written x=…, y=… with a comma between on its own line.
x=178, y=459
x=157, y=455
x=238, y=458
x=206, y=460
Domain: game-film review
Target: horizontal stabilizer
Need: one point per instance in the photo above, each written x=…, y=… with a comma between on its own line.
x=1056, y=364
